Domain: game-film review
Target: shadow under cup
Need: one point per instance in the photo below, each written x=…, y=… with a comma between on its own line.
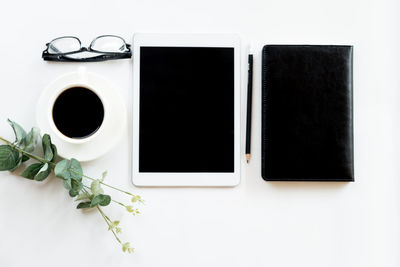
x=78, y=112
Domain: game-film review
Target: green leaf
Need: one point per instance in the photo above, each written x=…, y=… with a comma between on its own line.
x=46, y=143
x=61, y=169
x=102, y=200
x=55, y=153
x=83, y=205
x=69, y=169
x=43, y=172
x=67, y=184
x=32, y=170
x=31, y=140
x=76, y=170
x=24, y=158
x=19, y=132
x=129, y=209
x=113, y=225
x=96, y=188
x=106, y=199
x=18, y=163
x=137, y=198
x=84, y=195
x=96, y=200
x=76, y=188
x=126, y=247
x=103, y=176
x=8, y=158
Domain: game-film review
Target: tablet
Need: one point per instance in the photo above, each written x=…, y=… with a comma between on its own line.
x=186, y=110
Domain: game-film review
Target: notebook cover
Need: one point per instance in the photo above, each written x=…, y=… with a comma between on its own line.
x=307, y=113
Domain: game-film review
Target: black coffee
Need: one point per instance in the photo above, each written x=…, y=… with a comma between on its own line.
x=78, y=112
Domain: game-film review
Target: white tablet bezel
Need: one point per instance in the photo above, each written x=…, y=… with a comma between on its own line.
x=185, y=179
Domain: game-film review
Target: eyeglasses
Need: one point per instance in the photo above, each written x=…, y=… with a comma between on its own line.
x=104, y=47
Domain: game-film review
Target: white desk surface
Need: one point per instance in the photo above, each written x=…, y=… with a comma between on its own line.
x=255, y=224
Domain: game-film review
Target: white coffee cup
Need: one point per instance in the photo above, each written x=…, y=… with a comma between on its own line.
x=105, y=137
x=81, y=81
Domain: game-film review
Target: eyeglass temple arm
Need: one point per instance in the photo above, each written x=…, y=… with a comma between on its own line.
x=54, y=57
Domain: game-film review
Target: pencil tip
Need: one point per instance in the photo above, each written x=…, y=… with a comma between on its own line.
x=247, y=158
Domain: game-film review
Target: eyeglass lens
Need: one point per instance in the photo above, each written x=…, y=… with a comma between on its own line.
x=112, y=44
x=64, y=45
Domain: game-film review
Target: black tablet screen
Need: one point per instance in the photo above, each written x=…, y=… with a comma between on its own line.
x=186, y=109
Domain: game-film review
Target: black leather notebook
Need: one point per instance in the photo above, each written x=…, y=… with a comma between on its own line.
x=307, y=113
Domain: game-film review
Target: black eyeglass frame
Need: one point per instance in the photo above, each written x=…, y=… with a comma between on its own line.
x=63, y=57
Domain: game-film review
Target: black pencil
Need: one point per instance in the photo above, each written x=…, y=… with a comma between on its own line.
x=249, y=104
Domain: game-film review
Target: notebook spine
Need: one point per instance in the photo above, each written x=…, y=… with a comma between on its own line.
x=263, y=113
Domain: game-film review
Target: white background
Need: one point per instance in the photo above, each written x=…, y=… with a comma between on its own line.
x=254, y=224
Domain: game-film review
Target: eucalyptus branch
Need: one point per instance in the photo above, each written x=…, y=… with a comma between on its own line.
x=42, y=160
x=13, y=154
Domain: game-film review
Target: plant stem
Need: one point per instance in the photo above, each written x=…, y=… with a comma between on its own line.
x=5, y=140
x=123, y=205
x=105, y=218
x=115, y=188
x=90, y=178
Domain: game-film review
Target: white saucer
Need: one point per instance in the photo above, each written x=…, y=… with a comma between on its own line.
x=111, y=130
